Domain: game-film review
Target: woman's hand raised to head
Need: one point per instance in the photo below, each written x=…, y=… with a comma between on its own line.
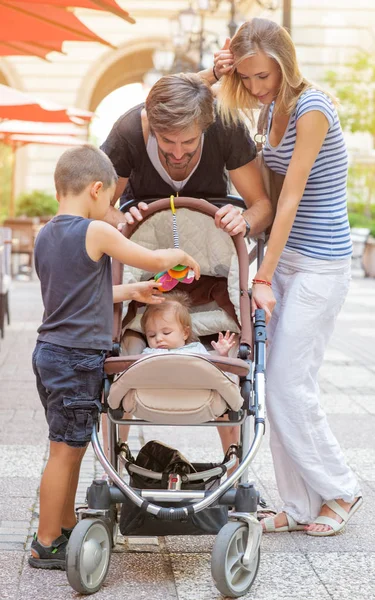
x=223, y=60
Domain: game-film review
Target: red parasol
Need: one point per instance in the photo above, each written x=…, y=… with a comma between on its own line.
x=36, y=128
x=25, y=107
x=21, y=22
x=106, y=5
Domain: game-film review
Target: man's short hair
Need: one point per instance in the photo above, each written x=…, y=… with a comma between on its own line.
x=80, y=166
x=178, y=101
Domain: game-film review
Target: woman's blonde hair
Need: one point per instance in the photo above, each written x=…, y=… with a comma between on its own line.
x=179, y=303
x=262, y=35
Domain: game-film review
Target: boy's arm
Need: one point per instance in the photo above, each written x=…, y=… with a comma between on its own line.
x=102, y=239
x=147, y=292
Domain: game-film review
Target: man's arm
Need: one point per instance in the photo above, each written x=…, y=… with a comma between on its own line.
x=249, y=184
x=114, y=216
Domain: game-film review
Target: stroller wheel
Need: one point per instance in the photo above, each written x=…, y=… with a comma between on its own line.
x=88, y=555
x=231, y=576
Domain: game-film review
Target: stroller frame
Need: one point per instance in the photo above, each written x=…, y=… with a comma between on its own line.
x=89, y=549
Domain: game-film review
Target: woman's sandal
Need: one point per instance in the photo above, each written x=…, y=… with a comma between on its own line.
x=269, y=525
x=336, y=527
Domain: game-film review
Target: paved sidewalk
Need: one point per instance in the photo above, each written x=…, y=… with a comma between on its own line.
x=293, y=566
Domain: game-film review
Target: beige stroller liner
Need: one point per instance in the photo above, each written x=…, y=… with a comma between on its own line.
x=176, y=389
x=213, y=249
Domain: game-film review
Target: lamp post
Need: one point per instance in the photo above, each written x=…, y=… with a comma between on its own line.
x=193, y=45
x=287, y=15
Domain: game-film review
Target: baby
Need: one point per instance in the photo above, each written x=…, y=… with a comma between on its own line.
x=168, y=326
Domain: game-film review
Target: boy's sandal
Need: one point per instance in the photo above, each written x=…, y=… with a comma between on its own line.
x=49, y=557
x=336, y=527
x=269, y=525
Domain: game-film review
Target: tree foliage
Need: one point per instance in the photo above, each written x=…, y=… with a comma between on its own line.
x=355, y=88
x=36, y=204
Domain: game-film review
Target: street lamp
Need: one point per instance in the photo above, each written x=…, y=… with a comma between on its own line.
x=192, y=44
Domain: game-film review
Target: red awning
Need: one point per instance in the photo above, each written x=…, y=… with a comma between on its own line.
x=17, y=140
x=22, y=106
x=40, y=23
x=106, y=5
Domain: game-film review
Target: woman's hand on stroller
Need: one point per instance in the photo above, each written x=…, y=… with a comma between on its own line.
x=134, y=214
x=224, y=343
x=230, y=219
x=262, y=297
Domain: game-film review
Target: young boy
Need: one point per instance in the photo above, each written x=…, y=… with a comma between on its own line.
x=72, y=259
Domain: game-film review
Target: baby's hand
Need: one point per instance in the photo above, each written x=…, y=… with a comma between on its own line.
x=224, y=343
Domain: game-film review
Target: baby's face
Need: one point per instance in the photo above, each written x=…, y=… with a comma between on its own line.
x=165, y=332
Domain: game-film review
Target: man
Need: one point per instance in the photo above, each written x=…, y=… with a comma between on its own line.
x=177, y=144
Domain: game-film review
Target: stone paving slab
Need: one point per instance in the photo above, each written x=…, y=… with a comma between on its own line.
x=131, y=576
x=281, y=575
x=22, y=461
x=293, y=566
x=349, y=576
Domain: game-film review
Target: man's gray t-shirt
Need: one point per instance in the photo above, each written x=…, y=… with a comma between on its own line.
x=225, y=148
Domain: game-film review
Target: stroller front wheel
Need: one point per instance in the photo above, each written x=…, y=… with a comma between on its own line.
x=88, y=555
x=232, y=578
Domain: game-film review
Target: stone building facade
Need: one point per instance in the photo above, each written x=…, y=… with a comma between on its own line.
x=326, y=33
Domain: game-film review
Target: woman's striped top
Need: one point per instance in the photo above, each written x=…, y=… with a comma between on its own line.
x=321, y=228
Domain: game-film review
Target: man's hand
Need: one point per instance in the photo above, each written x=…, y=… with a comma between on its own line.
x=230, y=219
x=262, y=297
x=224, y=343
x=134, y=214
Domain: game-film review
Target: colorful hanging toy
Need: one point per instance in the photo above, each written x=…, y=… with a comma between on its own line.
x=180, y=273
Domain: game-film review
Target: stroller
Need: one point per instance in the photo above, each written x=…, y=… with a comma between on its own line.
x=166, y=494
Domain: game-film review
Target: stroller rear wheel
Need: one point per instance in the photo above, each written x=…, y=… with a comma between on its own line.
x=88, y=555
x=232, y=578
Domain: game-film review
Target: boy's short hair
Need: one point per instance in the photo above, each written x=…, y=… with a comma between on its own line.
x=177, y=301
x=80, y=166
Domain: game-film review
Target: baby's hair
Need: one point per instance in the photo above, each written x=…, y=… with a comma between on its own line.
x=177, y=301
x=80, y=166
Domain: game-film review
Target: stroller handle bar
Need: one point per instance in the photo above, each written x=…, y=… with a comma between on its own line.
x=216, y=201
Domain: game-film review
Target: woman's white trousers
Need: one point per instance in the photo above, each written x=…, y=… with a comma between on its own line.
x=309, y=465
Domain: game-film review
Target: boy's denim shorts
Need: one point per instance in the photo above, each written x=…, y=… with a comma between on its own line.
x=69, y=382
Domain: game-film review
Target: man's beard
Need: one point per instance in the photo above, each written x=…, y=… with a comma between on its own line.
x=185, y=159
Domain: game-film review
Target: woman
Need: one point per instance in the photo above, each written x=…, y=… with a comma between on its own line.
x=306, y=269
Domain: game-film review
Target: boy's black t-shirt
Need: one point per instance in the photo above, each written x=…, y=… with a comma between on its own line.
x=225, y=148
x=77, y=291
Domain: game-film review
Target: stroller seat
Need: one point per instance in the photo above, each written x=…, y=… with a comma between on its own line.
x=176, y=389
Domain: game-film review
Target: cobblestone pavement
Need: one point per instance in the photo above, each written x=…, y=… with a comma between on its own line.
x=293, y=566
